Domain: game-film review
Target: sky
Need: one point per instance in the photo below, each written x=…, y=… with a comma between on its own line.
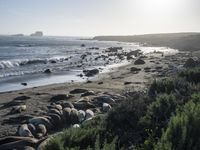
x=99, y=17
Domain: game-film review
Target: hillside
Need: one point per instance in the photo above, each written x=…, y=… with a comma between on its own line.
x=181, y=41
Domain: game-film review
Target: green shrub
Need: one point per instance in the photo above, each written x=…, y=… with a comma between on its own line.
x=196, y=97
x=105, y=145
x=55, y=144
x=123, y=121
x=161, y=86
x=183, y=130
x=74, y=137
x=167, y=86
x=158, y=113
x=139, y=120
x=78, y=138
x=191, y=75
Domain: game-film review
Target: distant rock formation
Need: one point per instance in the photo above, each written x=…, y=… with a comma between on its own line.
x=37, y=33
x=18, y=35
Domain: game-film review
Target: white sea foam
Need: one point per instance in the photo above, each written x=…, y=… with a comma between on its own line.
x=20, y=62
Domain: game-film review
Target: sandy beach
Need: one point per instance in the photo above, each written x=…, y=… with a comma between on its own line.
x=118, y=81
x=100, y=75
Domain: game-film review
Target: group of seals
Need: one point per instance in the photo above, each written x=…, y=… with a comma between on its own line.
x=58, y=115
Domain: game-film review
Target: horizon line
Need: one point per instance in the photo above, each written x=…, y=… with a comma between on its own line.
x=153, y=33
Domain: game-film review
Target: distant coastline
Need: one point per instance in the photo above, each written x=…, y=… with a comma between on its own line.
x=183, y=41
x=18, y=34
x=37, y=33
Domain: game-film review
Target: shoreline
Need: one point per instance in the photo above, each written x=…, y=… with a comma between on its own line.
x=30, y=72
x=42, y=79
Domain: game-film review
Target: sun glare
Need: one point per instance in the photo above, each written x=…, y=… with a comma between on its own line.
x=159, y=6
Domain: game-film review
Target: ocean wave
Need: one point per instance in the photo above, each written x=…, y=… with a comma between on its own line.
x=19, y=73
x=11, y=74
x=20, y=62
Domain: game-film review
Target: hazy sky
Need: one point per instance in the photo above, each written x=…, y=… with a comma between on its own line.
x=99, y=17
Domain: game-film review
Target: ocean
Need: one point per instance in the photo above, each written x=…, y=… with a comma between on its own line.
x=24, y=59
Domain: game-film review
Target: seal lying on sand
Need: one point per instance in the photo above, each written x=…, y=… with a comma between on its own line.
x=81, y=115
x=19, y=143
x=18, y=109
x=41, y=120
x=24, y=131
x=89, y=114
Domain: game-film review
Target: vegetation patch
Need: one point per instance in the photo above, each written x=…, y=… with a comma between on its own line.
x=167, y=117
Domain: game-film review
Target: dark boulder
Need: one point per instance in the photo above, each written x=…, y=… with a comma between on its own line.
x=133, y=53
x=24, y=84
x=83, y=56
x=113, y=49
x=80, y=75
x=22, y=98
x=89, y=81
x=139, y=62
x=147, y=69
x=90, y=73
x=158, y=67
x=134, y=69
x=82, y=45
x=96, y=48
x=100, y=82
x=78, y=91
x=126, y=83
x=47, y=71
x=53, y=61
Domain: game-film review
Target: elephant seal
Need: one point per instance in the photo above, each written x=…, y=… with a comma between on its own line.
x=55, y=111
x=67, y=111
x=66, y=115
x=89, y=114
x=32, y=128
x=24, y=131
x=74, y=116
x=58, y=106
x=67, y=104
x=76, y=126
x=41, y=129
x=106, y=107
x=55, y=118
x=18, y=109
x=41, y=120
x=81, y=115
x=17, y=142
x=55, y=106
x=83, y=105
